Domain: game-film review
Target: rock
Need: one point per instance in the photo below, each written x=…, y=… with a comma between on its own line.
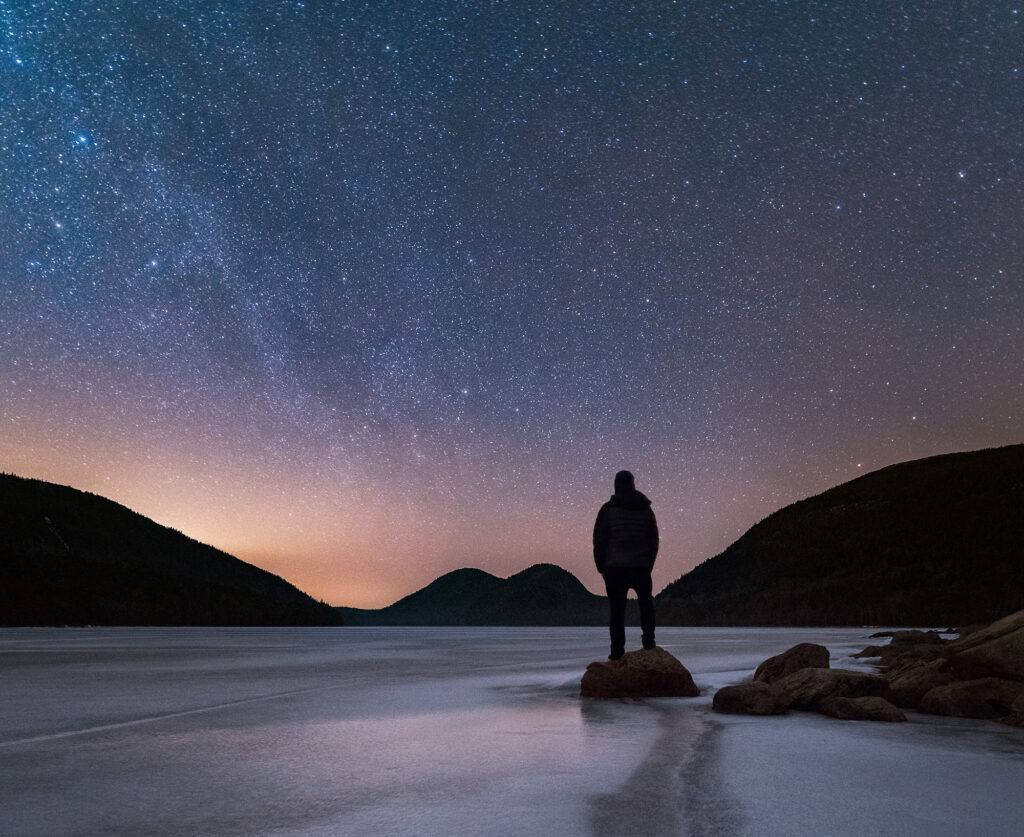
x=861, y=709
x=1016, y=717
x=880, y=634
x=911, y=684
x=807, y=688
x=896, y=657
x=994, y=651
x=804, y=655
x=639, y=674
x=917, y=638
x=902, y=655
x=980, y=635
x=899, y=657
x=757, y=698
x=988, y=698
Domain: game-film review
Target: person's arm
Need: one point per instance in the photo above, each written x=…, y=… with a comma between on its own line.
x=601, y=539
x=654, y=540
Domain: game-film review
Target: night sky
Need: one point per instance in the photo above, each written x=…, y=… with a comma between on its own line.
x=363, y=292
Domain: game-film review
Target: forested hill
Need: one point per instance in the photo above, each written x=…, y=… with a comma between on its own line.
x=69, y=557
x=927, y=542
x=539, y=595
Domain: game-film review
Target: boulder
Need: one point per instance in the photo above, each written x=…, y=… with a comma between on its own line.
x=917, y=638
x=995, y=651
x=979, y=635
x=806, y=689
x=988, y=698
x=912, y=683
x=1016, y=717
x=639, y=674
x=894, y=658
x=757, y=698
x=861, y=709
x=899, y=657
x=804, y=655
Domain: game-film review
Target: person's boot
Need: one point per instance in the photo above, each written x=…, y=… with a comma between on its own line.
x=649, y=644
x=616, y=654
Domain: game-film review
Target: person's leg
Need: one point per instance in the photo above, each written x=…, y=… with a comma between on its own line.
x=644, y=587
x=616, y=587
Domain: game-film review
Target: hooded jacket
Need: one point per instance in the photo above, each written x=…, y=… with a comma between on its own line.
x=626, y=533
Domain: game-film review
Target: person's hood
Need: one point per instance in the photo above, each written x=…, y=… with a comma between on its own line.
x=630, y=500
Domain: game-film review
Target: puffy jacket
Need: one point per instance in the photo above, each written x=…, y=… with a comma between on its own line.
x=625, y=533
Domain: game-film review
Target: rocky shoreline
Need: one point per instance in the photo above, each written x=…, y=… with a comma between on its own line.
x=980, y=674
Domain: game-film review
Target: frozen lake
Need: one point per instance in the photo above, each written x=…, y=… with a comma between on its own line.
x=412, y=731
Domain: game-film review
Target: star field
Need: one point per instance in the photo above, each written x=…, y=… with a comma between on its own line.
x=365, y=292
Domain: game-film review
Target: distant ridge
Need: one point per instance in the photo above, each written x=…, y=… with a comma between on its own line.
x=927, y=542
x=70, y=557
x=543, y=594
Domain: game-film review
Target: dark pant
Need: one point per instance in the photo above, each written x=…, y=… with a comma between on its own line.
x=617, y=583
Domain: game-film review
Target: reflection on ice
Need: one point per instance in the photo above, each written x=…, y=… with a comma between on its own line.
x=457, y=731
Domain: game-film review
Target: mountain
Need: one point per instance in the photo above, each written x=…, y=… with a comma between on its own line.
x=539, y=595
x=70, y=557
x=930, y=542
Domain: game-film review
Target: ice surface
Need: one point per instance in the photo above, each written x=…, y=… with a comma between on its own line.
x=458, y=731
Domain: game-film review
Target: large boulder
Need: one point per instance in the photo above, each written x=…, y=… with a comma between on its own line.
x=861, y=709
x=981, y=635
x=872, y=651
x=757, y=698
x=995, y=651
x=807, y=688
x=988, y=698
x=911, y=684
x=1016, y=717
x=914, y=637
x=804, y=655
x=899, y=657
x=639, y=674
x=896, y=658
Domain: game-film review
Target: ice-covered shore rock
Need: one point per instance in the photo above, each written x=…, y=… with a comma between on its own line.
x=1016, y=718
x=809, y=687
x=804, y=655
x=988, y=698
x=910, y=684
x=755, y=698
x=907, y=649
x=915, y=637
x=639, y=674
x=995, y=651
x=862, y=709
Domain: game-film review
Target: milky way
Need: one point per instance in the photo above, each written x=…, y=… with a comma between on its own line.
x=364, y=292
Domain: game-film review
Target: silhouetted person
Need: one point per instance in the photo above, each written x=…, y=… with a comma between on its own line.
x=625, y=546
